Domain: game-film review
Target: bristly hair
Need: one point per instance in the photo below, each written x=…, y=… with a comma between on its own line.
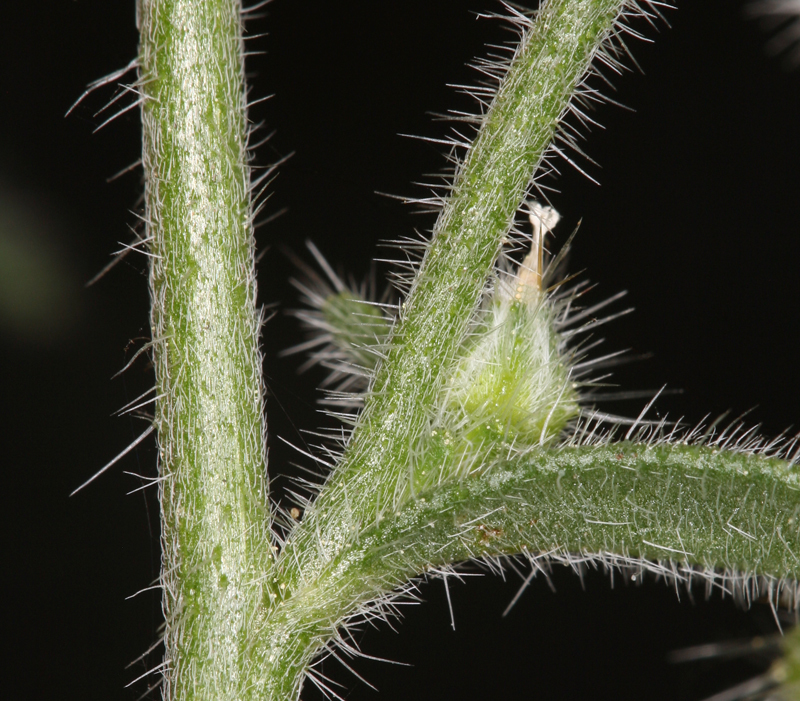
x=352, y=364
x=347, y=327
x=611, y=60
x=350, y=331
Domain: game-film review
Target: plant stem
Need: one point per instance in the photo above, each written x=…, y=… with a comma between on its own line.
x=376, y=473
x=209, y=411
x=731, y=520
x=238, y=624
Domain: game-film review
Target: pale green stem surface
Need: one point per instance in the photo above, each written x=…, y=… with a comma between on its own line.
x=376, y=474
x=705, y=510
x=209, y=413
x=240, y=627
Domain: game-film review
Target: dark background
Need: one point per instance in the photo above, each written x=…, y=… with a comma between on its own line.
x=696, y=216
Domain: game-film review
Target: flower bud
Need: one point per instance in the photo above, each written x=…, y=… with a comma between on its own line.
x=513, y=385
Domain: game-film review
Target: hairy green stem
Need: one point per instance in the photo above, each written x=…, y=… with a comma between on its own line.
x=727, y=518
x=376, y=474
x=209, y=409
x=240, y=625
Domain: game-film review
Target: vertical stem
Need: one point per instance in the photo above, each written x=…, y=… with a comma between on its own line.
x=209, y=413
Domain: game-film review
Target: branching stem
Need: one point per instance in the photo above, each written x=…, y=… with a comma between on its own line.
x=243, y=624
x=375, y=477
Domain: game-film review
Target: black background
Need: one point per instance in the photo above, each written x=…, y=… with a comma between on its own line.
x=696, y=215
